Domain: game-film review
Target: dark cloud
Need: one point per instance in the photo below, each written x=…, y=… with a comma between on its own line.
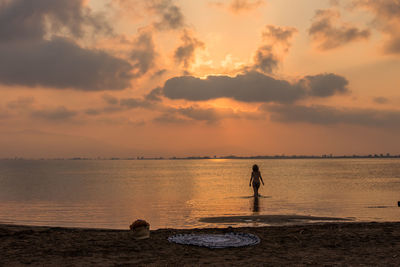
x=117, y=105
x=329, y=33
x=185, y=53
x=167, y=118
x=209, y=115
x=28, y=20
x=324, y=85
x=21, y=103
x=109, y=99
x=389, y=9
x=279, y=35
x=60, y=63
x=325, y=115
x=104, y=110
x=381, y=100
x=33, y=53
x=199, y=114
x=154, y=95
x=143, y=55
x=253, y=87
x=4, y=114
x=276, y=43
x=133, y=103
x=54, y=114
x=244, y=5
x=171, y=17
x=265, y=60
x=387, y=13
x=92, y=112
x=160, y=73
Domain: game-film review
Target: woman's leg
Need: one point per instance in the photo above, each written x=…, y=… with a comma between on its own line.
x=255, y=189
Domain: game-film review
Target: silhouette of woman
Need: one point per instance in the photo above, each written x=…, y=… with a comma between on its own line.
x=255, y=179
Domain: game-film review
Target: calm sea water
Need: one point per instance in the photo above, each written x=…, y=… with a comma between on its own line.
x=177, y=193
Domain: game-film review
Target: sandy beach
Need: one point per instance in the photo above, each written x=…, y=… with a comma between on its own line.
x=316, y=244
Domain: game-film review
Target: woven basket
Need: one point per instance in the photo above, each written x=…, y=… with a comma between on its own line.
x=141, y=232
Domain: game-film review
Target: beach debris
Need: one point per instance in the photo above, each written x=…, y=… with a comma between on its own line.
x=140, y=229
x=229, y=240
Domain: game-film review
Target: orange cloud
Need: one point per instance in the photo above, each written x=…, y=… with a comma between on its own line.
x=386, y=19
x=328, y=32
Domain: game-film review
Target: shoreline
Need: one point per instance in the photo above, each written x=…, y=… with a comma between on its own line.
x=349, y=243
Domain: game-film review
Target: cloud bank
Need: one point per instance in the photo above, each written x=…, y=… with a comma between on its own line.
x=253, y=87
x=324, y=115
x=60, y=63
x=34, y=53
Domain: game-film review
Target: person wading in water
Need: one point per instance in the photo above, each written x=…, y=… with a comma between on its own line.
x=255, y=178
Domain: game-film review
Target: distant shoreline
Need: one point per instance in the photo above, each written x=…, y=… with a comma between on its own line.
x=370, y=156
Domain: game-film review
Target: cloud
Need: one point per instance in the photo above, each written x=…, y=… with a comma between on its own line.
x=324, y=115
x=143, y=55
x=159, y=73
x=54, y=114
x=253, y=87
x=265, y=60
x=154, y=95
x=388, y=9
x=168, y=118
x=328, y=33
x=117, y=105
x=133, y=103
x=279, y=35
x=35, y=51
x=276, y=43
x=386, y=19
x=238, y=6
x=20, y=20
x=185, y=53
x=109, y=99
x=209, y=115
x=324, y=85
x=199, y=114
x=171, y=17
x=21, y=103
x=381, y=100
x=4, y=113
x=60, y=63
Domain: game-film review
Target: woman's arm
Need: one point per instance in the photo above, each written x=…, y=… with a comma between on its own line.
x=251, y=178
x=261, y=179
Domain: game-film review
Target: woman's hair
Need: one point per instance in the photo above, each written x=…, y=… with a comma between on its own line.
x=255, y=168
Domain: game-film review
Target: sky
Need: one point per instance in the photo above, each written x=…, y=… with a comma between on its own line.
x=129, y=78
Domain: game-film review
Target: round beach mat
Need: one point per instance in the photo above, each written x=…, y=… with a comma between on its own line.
x=230, y=240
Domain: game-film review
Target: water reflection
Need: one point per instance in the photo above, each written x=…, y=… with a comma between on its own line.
x=176, y=193
x=256, y=205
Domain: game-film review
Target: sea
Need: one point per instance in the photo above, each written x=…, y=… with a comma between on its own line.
x=179, y=193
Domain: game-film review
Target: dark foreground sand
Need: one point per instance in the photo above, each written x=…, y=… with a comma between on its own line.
x=368, y=244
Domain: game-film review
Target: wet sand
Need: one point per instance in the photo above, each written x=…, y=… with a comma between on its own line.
x=368, y=244
x=272, y=219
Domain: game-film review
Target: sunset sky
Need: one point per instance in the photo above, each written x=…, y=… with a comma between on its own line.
x=128, y=78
